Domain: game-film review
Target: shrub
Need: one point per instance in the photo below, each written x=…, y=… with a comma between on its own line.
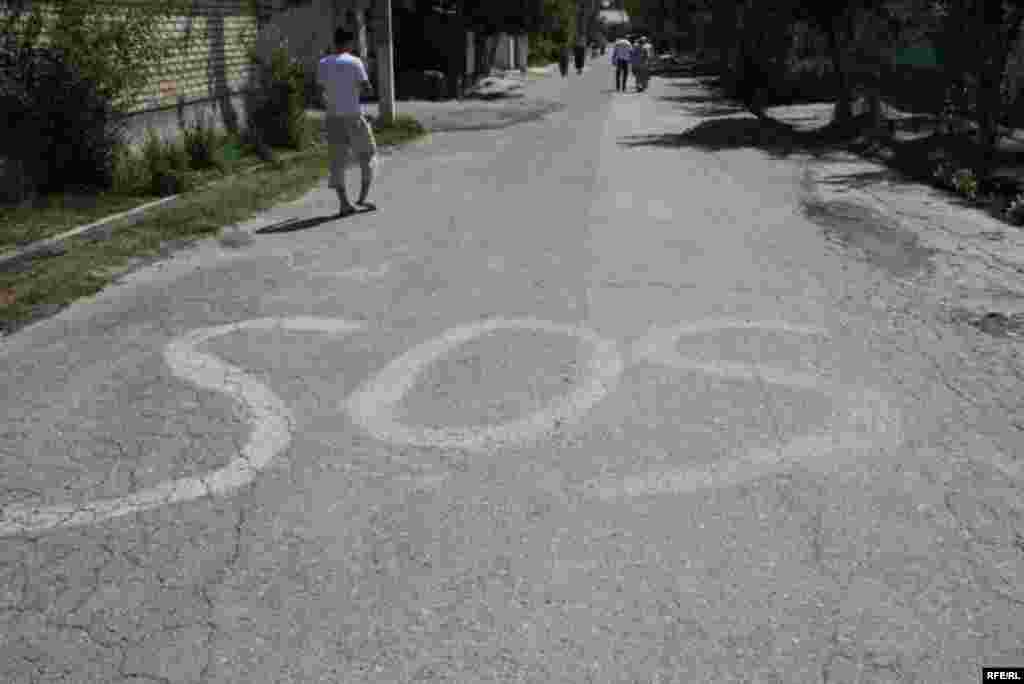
x=1015, y=212
x=943, y=175
x=65, y=129
x=966, y=183
x=230, y=149
x=544, y=49
x=278, y=114
x=166, y=164
x=131, y=173
x=201, y=141
x=66, y=73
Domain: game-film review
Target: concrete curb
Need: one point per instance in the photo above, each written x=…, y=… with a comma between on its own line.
x=103, y=229
x=98, y=230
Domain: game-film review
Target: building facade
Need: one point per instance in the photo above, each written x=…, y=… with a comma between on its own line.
x=210, y=72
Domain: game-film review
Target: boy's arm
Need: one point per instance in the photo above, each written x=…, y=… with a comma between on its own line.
x=321, y=82
x=365, y=86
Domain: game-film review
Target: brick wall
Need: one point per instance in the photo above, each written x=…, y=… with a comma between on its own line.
x=214, y=63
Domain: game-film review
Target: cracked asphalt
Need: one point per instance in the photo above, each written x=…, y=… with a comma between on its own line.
x=562, y=410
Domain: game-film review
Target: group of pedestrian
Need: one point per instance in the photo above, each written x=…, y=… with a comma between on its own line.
x=636, y=53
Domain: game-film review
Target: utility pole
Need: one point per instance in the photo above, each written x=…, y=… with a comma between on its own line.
x=386, y=63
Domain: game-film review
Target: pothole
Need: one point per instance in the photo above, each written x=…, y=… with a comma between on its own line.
x=993, y=323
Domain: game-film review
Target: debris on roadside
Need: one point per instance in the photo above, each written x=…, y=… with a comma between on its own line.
x=494, y=87
x=235, y=238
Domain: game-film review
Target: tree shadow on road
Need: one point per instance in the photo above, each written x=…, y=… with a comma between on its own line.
x=697, y=105
x=775, y=137
x=910, y=147
x=908, y=150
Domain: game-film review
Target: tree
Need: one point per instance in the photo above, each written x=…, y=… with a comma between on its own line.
x=978, y=39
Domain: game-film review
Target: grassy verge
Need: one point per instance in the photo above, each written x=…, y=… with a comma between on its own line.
x=54, y=214
x=87, y=267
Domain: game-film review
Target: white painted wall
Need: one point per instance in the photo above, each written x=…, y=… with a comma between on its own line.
x=513, y=51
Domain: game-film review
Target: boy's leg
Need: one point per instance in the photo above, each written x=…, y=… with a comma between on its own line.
x=366, y=165
x=338, y=181
x=367, y=159
x=338, y=146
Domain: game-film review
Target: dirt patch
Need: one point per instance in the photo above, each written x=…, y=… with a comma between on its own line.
x=882, y=241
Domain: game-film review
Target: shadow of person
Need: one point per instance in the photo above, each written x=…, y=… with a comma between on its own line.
x=294, y=224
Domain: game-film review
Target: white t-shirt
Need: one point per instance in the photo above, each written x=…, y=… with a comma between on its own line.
x=341, y=76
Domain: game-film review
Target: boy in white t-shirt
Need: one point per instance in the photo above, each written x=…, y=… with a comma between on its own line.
x=344, y=79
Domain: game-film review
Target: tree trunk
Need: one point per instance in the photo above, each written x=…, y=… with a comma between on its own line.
x=481, y=54
x=990, y=81
x=844, y=110
x=493, y=56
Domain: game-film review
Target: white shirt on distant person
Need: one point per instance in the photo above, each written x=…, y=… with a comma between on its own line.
x=342, y=76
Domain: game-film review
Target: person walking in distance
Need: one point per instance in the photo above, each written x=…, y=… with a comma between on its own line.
x=620, y=58
x=343, y=78
x=580, y=53
x=648, y=59
x=563, y=61
x=638, y=60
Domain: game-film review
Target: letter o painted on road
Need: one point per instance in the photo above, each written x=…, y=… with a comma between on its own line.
x=373, y=405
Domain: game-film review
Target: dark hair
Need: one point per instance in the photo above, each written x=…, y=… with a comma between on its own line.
x=342, y=36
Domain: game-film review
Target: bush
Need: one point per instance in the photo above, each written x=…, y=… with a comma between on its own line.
x=943, y=175
x=64, y=129
x=131, y=173
x=201, y=141
x=230, y=149
x=66, y=74
x=544, y=50
x=166, y=166
x=278, y=115
x=966, y=183
x=1015, y=212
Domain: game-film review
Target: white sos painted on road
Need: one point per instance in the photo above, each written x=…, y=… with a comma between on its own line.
x=864, y=421
x=373, y=405
x=271, y=432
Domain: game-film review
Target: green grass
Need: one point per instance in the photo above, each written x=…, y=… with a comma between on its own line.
x=54, y=214
x=87, y=267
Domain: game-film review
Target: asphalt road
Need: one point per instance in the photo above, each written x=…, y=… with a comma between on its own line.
x=569, y=407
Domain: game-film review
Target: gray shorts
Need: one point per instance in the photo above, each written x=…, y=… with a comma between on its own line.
x=349, y=137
